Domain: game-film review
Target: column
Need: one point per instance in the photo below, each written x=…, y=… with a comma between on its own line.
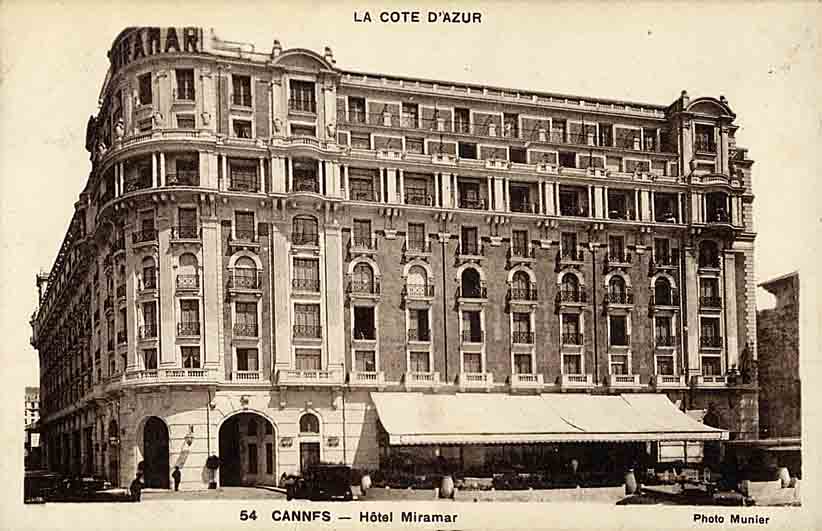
x=281, y=296
x=161, y=179
x=402, y=186
x=437, y=190
x=680, y=195
x=226, y=178
x=590, y=202
x=345, y=182
x=445, y=180
x=723, y=151
x=692, y=311
x=488, y=186
x=290, y=173
x=687, y=148
x=549, y=199
x=117, y=190
x=540, y=201
x=637, y=214
x=154, y=170
x=555, y=186
x=391, y=186
x=695, y=208
x=507, y=194
x=499, y=197
x=729, y=282
x=211, y=278
x=380, y=190
x=335, y=298
x=122, y=176
x=605, y=207
x=166, y=302
x=653, y=209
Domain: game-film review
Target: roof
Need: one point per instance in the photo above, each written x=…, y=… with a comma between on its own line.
x=786, y=276
x=416, y=418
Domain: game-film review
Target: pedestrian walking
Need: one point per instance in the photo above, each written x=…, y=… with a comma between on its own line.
x=136, y=487
x=176, y=475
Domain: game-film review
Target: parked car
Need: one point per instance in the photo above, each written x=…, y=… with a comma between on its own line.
x=321, y=482
x=86, y=489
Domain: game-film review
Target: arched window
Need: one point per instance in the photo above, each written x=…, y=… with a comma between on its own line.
x=616, y=290
x=708, y=254
x=362, y=279
x=521, y=286
x=304, y=231
x=245, y=273
x=662, y=292
x=309, y=423
x=149, y=273
x=471, y=285
x=570, y=288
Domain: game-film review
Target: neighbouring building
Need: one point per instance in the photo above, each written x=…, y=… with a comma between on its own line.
x=32, y=413
x=279, y=261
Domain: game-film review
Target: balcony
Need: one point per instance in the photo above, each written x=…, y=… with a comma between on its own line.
x=475, y=380
x=306, y=185
x=362, y=194
x=357, y=287
x=710, y=302
x=415, y=379
x=132, y=185
x=710, y=381
x=473, y=336
x=573, y=210
x=416, y=247
x=188, y=328
x=310, y=377
x=571, y=338
x=185, y=232
x=250, y=280
x=665, y=261
x=471, y=249
x=618, y=257
x=526, y=381
x=418, y=197
x=668, y=381
x=419, y=291
x=305, y=239
x=243, y=182
x=473, y=203
x=670, y=299
x=306, y=284
x=244, y=236
x=620, y=297
x=473, y=292
x=569, y=296
x=188, y=282
x=144, y=236
x=524, y=207
x=421, y=335
x=521, y=253
x=246, y=376
x=148, y=331
x=622, y=381
x=366, y=379
x=576, y=381
x=246, y=330
x=571, y=256
x=307, y=331
x=668, y=341
x=363, y=244
x=704, y=144
x=302, y=105
x=522, y=338
x=183, y=178
x=710, y=342
x=529, y=294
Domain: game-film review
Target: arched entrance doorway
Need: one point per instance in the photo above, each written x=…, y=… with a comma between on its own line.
x=247, y=451
x=155, y=454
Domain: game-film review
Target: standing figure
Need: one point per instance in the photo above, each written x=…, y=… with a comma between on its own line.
x=136, y=487
x=176, y=475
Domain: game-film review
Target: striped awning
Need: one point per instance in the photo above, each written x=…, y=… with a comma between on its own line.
x=474, y=418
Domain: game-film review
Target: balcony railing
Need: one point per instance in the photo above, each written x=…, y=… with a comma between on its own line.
x=571, y=255
x=710, y=302
x=309, y=377
x=480, y=380
x=623, y=380
x=710, y=341
x=305, y=238
x=418, y=197
x=577, y=380
x=709, y=261
x=137, y=184
x=306, y=284
x=618, y=257
x=527, y=380
x=301, y=105
x=573, y=210
x=472, y=292
x=244, y=235
x=704, y=144
x=522, y=338
x=188, y=328
x=244, y=182
x=246, y=376
x=246, y=329
x=665, y=260
x=569, y=295
x=571, y=338
x=305, y=184
x=370, y=288
x=620, y=297
x=145, y=235
x=421, y=379
x=523, y=294
x=247, y=280
x=308, y=331
x=185, y=232
x=524, y=207
x=717, y=215
x=521, y=251
x=471, y=249
x=364, y=242
x=665, y=340
x=473, y=336
x=623, y=340
x=419, y=290
x=417, y=246
x=188, y=282
x=148, y=331
x=183, y=178
x=669, y=299
x=421, y=334
x=362, y=194
x=471, y=203
x=366, y=378
x=668, y=380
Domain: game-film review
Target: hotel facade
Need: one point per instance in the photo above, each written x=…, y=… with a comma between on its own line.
x=280, y=262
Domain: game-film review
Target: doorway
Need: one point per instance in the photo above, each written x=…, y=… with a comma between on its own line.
x=247, y=455
x=155, y=454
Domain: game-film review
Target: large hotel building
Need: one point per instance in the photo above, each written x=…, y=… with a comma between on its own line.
x=279, y=262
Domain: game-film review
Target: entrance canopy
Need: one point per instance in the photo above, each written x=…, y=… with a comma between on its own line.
x=416, y=418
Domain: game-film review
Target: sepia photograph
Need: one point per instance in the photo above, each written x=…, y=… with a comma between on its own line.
x=262, y=257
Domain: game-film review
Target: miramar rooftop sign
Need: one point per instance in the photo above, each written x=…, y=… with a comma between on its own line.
x=136, y=43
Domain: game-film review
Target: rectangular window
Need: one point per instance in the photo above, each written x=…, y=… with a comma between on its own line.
x=418, y=329
x=568, y=244
x=472, y=362
x=571, y=364
x=605, y=136
x=415, y=145
x=665, y=365
x=189, y=311
x=185, y=121
x=150, y=359
x=243, y=176
x=307, y=360
x=416, y=190
x=416, y=236
x=410, y=115
x=471, y=326
x=558, y=128
x=246, y=319
x=303, y=130
x=467, y=150
x=307, y=320
x=469, y=241
x=269, y=457
x=361, y=140
x=185, y=84
x=149, y=319
x=419, y=362
x=570, y=329
x=519, y=242
x=661, y=251
x=241, y=86
x=616, y=248
x=522, y=364
x=301, y=96
x=364, y=323
x=144, y=89
x=306, y=274
x=365, y=361
x=252, y=458
x=247, y=359
x=187, y=223
x=709, y=332
x=305, y=232
x=356, y=109
x=191, y=357
x=567, y=159
x=618, y=327
x=361, y=184
x=711, y=366
x=362, y=233
x=244, y=226
x=619, y=364
x=462, y=121
x=663, y=331
x=242, y=128
x=510, y=125
x=518, y=155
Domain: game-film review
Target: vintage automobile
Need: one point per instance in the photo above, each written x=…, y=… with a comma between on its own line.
x=321, y=482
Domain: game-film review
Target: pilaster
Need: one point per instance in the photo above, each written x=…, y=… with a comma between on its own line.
x=692, y=311
x=732, y=339
x=211, y=278
x=281, y=294
x=334, y=301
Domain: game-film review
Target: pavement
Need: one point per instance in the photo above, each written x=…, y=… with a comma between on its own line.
x=221, y=493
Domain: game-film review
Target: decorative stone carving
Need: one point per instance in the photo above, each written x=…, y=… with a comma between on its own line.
x=332, y=129
x=278, y=125
x=157, y=119
x=206, y=117
x=119, y=129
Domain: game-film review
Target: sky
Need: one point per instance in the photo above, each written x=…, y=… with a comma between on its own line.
x=765, y=58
